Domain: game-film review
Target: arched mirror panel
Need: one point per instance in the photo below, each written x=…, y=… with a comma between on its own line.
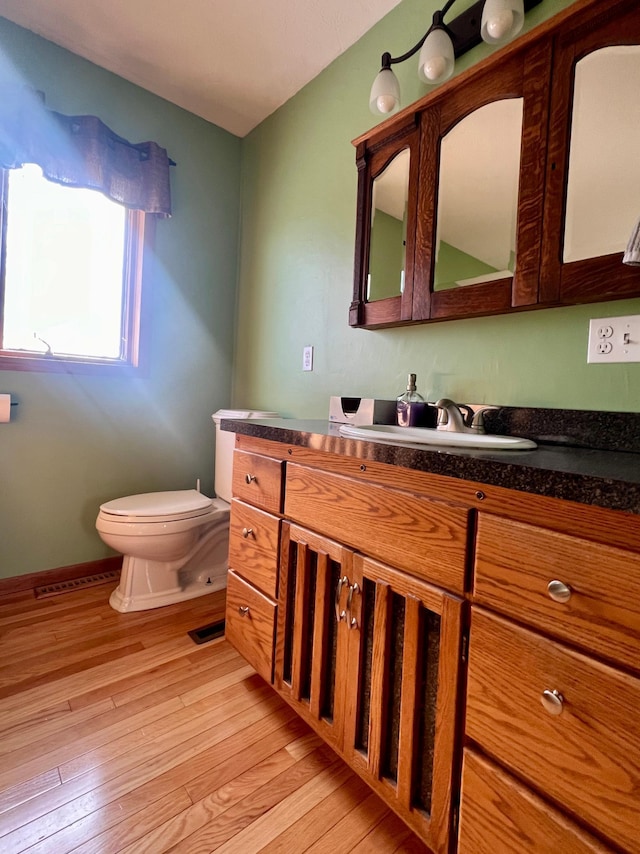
x=603, y=184
x=478, y=197
x=388, y=242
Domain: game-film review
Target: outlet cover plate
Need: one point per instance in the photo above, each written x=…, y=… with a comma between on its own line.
x=614, y=339
x=307, y=358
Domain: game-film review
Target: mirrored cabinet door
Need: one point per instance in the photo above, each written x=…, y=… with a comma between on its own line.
x=480, y=214
x=593, y=196
x=385, y=230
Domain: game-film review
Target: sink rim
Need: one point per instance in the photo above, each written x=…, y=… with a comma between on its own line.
x=429, y=436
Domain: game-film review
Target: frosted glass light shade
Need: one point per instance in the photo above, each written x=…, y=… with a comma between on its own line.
x=501, y=20
x=437, y=59
x=385, y=93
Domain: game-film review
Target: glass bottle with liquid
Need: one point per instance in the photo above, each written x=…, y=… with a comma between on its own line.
x=411, y=406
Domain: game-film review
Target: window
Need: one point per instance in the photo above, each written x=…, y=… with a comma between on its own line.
x=70, y=276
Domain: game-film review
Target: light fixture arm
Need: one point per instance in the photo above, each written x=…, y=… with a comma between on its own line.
x=463, y=30
x=437, y=23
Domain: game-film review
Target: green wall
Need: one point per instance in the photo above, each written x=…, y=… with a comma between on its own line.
x=77, y=441
x=296, y=263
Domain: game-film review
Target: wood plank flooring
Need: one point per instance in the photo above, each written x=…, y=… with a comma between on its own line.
x=119, y=734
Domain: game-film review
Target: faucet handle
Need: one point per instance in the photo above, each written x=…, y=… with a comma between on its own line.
x=442, y=406
x=467, y=413
x=477, y=420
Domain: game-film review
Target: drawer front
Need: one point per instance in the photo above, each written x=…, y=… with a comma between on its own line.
x=253, y=546
x=425, y=537
x=250, y=624
x=258, y=480
x=516, y=562
x=587, y=757
x=498, y=814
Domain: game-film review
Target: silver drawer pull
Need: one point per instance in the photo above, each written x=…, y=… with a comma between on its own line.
x=553, y=701
x=243, y=610
x=559, y=591
x=249, y=478
x=353, y=622
x=340, y=615
x=247, y=532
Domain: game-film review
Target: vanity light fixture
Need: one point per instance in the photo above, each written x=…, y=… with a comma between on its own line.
x=492, y=21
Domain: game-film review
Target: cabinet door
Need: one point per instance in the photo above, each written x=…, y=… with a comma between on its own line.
x=385, y=228
x=402, y=685
x=312, y=640
x=592, y=165
x=479, y=221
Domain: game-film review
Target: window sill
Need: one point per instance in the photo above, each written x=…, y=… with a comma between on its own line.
x=66, y=365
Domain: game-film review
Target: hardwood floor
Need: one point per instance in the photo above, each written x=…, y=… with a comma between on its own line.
x=119, y=734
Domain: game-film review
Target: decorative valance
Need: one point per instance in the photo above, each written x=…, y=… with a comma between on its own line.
x=81, y=151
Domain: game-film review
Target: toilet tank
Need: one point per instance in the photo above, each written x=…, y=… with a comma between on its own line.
x=225, y=443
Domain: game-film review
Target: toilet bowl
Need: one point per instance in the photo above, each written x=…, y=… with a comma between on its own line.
x=175, y=544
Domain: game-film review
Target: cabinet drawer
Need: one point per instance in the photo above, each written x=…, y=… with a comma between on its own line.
x=499, y=814
x=423, y=536
x=253, y=546
x=258, y=480
x=250, y=624
x=587, y=757
x=515, y=562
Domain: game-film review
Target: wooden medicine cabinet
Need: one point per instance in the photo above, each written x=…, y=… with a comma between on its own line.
x=513, y=186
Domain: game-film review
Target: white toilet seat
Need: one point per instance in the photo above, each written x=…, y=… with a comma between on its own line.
x=160, y=507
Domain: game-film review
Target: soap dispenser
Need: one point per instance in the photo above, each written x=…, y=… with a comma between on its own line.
x=410, y=406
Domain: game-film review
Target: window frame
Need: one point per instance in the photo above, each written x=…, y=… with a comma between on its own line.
x=138, y=253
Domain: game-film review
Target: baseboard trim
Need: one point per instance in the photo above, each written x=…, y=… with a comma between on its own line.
x=20, y=583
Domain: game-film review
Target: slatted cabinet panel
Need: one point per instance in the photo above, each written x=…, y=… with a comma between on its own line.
x=402, y=691
x=369, y=656
x=312, y=647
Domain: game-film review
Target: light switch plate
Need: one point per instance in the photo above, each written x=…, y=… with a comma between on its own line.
x=614, y=339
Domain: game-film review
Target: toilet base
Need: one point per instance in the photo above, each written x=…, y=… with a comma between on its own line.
x=120, y=601
x=146, y=584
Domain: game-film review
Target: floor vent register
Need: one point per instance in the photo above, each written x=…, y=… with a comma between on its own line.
x=76, y=583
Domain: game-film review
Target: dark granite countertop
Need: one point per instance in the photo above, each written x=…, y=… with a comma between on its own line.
x=606, y=478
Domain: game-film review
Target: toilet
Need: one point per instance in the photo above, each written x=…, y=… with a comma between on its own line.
x=175, y=544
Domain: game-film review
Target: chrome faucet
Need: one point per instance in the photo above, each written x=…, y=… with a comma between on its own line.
x=452, y=418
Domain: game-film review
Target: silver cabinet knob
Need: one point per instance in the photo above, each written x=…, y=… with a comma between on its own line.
x=249, y=478
x=247, y=532
x=553, y=701
x=243, y=610
x=559, y=591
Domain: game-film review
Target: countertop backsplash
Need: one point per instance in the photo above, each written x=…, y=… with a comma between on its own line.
x=577, y=428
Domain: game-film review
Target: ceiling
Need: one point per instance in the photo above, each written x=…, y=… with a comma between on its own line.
x=233, y=62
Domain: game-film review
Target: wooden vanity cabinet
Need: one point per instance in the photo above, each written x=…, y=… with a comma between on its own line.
x=419, y=623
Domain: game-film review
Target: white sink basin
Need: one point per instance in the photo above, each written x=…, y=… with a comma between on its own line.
x=429, y=436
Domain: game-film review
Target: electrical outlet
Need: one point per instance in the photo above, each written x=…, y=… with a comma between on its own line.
x=614, y=339
x=307, y=358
